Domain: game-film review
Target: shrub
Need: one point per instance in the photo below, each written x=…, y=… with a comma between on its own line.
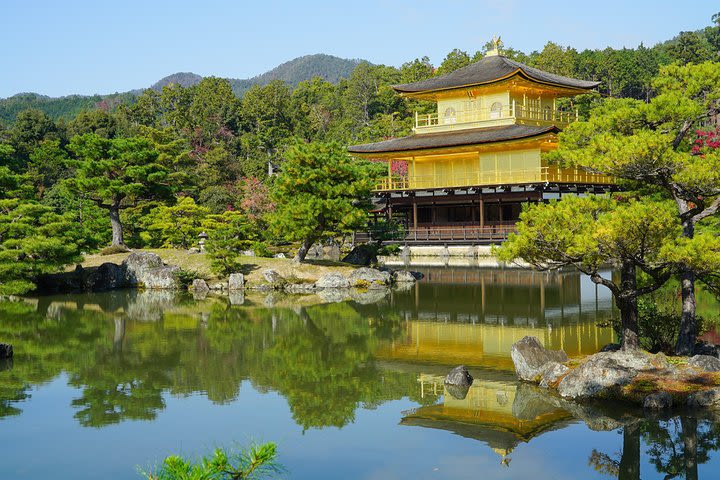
x=186, y=277
x=257, y=462
x=392, y=249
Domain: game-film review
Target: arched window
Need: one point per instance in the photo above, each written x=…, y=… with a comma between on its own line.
x=496, y=110
x=450, y=116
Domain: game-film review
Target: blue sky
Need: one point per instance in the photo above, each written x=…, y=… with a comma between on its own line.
x=97, y=46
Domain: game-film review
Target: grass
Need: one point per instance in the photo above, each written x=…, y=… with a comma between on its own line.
x=306, y=272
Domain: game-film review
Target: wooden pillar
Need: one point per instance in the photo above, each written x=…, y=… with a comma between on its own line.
x=414, y=213
x=482, y=213
x=501, y=210
x=433, y=213
x=390, y=182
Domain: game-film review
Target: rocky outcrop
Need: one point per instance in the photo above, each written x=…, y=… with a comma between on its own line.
x=236, y=282
x=108, y=276
x=363, y=255
x=602, y=372
x=705, y=363
x=658, y=401
x=704, y=399
x=551, y=372
x=137, y=265
x=6, y=350
x=332, y=280
x=530, y=357
x=365, y=277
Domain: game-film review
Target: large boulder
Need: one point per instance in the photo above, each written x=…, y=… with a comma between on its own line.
x=551, y=372
x=332, y=280
x=236, y=282
x=6, y=350
x=162, y=278
x=108, y=276
x=705, y=363
x=603, y=372
x=199, y=287
x=137, y=265
x=365, y=277
x=362, y=255
x=529, y=357
x=459, y=376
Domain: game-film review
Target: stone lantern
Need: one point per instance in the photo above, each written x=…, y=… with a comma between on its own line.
x=201, y=243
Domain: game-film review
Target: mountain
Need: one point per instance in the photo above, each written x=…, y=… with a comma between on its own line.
x=184, y=79
x=293, y=72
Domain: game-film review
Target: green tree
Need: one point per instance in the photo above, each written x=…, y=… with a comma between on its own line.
x=115, y=173
x=690, y=47
x=653, y=144
x=591, y=232
x=34, y=240
x=229, y=234
x=454, y=60
x=98, y=122
x=176, y=226
x=321, y=192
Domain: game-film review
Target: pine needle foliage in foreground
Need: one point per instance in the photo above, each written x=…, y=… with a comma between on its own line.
x=258, y=461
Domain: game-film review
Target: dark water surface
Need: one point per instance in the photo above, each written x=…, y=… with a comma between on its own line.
x=104, y=383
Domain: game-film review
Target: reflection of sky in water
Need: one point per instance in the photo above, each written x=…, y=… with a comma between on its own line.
x=347, y=390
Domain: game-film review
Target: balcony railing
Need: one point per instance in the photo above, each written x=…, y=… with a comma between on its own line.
x=510, y=111
x=449, y=234
x=478, y=178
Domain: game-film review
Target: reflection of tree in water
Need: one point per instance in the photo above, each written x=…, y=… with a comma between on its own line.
x=675, y=447
x=319, y=358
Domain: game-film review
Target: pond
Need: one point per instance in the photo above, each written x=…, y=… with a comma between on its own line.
x=104, y=384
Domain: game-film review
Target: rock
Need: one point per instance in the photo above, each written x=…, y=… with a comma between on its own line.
x=551, y=373
x=403, y=276
x=108, y=276
x=199, y=286
x=603, y=371
x=658, y=401
x=705, y=398
x=705, y=363
x=236, y=282
x=300, y=288
x=456, y=391
x=248, y=253
x=279, y=255
x=6, y=350
x=273, y=278
x=193, y=250
x=365, y=277
x=332, y=280
x=363, y=255
x=704, y=348
x=217, y=286
x=138, y=264
x=660, y=361
x=162, y=278
x=459, y=376
x=611, y=347
x=529, y=357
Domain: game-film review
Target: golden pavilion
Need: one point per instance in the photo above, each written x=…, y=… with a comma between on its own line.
x=469, y=167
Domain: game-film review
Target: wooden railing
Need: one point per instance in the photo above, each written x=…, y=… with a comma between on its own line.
x=509, y=111
x=551, y=174
x=450, y=234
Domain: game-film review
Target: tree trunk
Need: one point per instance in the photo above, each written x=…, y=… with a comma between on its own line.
x=627, y=303
x=687, y=336
x=629, y=468
x=117, y=229
x=304, y=249
x=690, y=444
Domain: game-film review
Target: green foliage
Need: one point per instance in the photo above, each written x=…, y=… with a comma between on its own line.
x=384, y=230
x=113, y=250
x=229, y=235
x=321, y=192
x=176, y=226
x=186, y=277
x=258, y=461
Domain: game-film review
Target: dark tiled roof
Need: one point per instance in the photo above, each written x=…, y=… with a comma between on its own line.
x=454, y=138
x=488, y=70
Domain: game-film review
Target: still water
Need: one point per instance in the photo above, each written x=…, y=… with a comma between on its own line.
x=104, y=384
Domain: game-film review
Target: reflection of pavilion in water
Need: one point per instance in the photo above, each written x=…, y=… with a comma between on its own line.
x=474, y=316
x=496, y=411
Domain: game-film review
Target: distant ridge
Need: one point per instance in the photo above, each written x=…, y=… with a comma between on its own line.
x=328, y=67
